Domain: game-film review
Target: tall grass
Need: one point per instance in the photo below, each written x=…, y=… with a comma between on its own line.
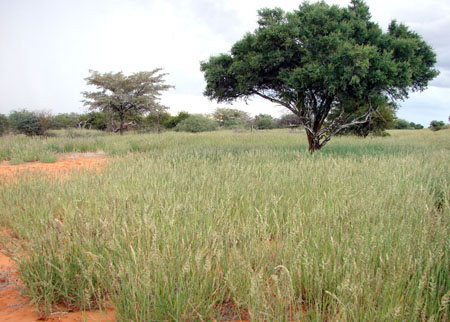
x=182, y=227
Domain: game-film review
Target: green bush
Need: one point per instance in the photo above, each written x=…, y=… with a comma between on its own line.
x=4, y=124
x=264, y=122
x=197, y=123
x=235, y=124
x=30, y=123
x=401, y=124
x=231, y=118
x=94, y=121
x=173, y=121
x=437, y=125
x=64, y=121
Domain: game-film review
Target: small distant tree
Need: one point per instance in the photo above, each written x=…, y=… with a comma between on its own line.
x=289, y=120
x=156, y=121
x=4, y=124
x=173, y=121
x=197, y=123
x=230, y=117
x=437, y=125
x=64, y=121
x=124, y=95
x=264, y=122
x=415, y=126
x=30, y=123
x=400, y=124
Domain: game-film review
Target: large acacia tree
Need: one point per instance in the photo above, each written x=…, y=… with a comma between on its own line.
x=322, y=59
x=126, y=96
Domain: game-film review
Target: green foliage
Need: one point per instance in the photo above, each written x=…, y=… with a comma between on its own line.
x=30, y=123
x=125, y=96
x=64, y=121
x=381, y=120
x=321, y=59
x=4, y=124
x=48, y=158
x=174, y=120
x=264, y=122
x=155, y=121
x=231, y=118
x=416, y=126
x=94, y=120
x=197, y=123
x=401, y=124
x=437, y=125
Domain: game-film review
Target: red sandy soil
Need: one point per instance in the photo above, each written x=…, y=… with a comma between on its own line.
x=66, y=164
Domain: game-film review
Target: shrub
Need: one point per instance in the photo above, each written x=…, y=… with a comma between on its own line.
x=401, y=124
x=4, y=124
x=154, y=121
x=30, y=123
x=65, y=120
x=235, y=124
x=264, y=122
x=231, y=118
x=94, y=120
x=436, y=125
x=197, y=123
x=173, y=121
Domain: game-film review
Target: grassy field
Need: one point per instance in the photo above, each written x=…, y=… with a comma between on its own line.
x=197, y=227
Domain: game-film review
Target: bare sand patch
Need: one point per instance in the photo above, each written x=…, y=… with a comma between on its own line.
x=64, y=167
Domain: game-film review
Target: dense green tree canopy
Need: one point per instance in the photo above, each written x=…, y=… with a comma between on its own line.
x=126, y=96
x=321, y=59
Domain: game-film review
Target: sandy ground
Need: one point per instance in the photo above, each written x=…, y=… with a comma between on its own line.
x=66, y=164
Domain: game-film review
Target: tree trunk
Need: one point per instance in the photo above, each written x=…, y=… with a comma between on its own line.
x=314, y=143
x=158, y=124
x=121, y=126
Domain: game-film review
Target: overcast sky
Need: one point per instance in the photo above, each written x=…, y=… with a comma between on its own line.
x=48, y=46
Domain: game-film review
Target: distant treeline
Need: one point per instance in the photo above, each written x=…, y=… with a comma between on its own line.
x=38, y=122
